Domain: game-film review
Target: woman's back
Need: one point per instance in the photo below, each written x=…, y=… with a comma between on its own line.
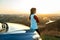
x=33, y=22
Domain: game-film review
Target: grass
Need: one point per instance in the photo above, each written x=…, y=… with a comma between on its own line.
x=46, y=37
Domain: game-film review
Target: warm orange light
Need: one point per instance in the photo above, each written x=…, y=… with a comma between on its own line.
x=43, y=6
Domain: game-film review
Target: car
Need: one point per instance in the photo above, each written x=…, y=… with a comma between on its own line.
x=15, y=31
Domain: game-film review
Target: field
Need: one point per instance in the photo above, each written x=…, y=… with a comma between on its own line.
x=46, y=37
x=48, y=32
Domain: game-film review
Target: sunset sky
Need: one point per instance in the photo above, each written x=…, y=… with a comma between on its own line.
x=43, y=6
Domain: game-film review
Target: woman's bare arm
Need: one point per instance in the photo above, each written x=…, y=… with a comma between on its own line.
x=36, y=18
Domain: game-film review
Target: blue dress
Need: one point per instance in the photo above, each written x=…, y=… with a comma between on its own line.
x=33, y=23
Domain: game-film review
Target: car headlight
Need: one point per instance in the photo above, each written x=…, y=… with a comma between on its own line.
x=37, y=39
x=36, y=36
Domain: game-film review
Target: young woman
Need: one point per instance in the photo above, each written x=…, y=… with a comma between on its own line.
x=34, y=20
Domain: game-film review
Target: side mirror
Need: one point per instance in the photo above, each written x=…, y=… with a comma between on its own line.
x=4, y=27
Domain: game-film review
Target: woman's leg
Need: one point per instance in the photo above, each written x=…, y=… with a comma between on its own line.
x=38, y=31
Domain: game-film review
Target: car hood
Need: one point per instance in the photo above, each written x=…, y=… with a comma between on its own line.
x=15, y=26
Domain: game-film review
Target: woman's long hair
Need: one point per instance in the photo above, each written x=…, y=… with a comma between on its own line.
x=32, y=11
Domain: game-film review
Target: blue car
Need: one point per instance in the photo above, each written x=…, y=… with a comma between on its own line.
x=13, y=31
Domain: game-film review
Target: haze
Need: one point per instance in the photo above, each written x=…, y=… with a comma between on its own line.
x=24, y=6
